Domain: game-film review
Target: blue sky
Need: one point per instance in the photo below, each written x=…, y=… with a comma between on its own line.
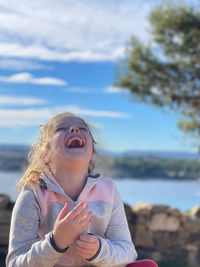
x=60, y=56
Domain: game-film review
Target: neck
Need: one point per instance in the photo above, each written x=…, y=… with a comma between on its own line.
x=72, y=182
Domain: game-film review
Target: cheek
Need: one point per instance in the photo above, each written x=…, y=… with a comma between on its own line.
x=92, y=153
x=90, y=145
x=90, y=150
x=56, y=143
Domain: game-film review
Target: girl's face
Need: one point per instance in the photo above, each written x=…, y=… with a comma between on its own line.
x=71, y=141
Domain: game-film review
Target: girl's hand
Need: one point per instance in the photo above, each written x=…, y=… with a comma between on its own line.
x=69, y=226
x=87, y=245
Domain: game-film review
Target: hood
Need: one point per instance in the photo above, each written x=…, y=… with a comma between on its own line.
x=48, y=182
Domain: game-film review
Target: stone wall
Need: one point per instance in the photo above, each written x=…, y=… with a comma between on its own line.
x=159, y=232
x=6, y=207
x=163, y=233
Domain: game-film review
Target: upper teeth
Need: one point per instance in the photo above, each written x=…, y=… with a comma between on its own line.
x=73, y=139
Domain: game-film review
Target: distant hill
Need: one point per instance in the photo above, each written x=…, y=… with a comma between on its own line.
x=152, y=154
x=13, y=157
x=139, y=164
x=20, y=149
x=14, y=148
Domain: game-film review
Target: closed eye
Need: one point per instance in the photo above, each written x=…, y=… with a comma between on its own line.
x=83, y=129
x=61, y=129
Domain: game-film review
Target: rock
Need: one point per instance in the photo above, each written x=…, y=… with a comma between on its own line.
x=195, y=211
x=174, y=212
x=4, y=234
x=143, y=212
x=194, y=238
x=166, y=240
x=183, y=219
x=5, y=217
x=159, y=208
x=191, y=247
x=143, y=238
x=176, y=253
x=143, y=209
x=4, y=201
x=192, y=259
x=131, y=216
x=157, y=256
x=192, y=254
x=162, y=222
x=191, y=225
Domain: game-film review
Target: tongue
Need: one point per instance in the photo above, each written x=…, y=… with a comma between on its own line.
x=74, y=143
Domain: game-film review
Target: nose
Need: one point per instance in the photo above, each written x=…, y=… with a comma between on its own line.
x=74, y=129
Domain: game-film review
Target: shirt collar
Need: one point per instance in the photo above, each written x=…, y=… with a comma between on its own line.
x=48, y=181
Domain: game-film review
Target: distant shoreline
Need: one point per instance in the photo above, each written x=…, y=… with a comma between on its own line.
x=127, y=178
x=161, y=165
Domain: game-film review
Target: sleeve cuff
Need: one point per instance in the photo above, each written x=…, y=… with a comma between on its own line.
x=98, y=251
x=53, y=243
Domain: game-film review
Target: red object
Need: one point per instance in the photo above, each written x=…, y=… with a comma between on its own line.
x=143, y=263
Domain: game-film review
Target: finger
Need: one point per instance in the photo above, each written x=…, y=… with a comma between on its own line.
x=88, y=238
x=84, y=228
x=76, y=211
x=85, y=223
x=85, y=245
x=84, y=253
x=84, y=256
x=63, y=212
x=83, y=214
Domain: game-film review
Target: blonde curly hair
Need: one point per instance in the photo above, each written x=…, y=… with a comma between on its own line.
x=38, y=150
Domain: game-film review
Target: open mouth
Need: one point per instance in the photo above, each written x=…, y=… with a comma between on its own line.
x=75, y=142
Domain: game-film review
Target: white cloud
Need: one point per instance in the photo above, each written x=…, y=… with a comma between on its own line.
x=95, y=113
x=113, y=90
x=26, y=77
x=32, y=117
x=20, y=101
x=44, y=53
x=25, y=117
x=71, y=30
x=20, y=64
x=108, y=90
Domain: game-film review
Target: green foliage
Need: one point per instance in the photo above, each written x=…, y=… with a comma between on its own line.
x=166, y=72
x=156, y=168
x=148, y=167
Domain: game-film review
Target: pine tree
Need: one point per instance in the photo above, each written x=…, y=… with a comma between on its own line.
x=166, y=72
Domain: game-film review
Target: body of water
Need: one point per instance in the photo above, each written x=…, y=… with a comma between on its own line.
x=181, y=194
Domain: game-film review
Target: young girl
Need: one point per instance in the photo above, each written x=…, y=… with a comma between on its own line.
x=65, y=215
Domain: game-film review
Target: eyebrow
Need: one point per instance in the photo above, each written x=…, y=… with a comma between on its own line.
x=68, y=126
